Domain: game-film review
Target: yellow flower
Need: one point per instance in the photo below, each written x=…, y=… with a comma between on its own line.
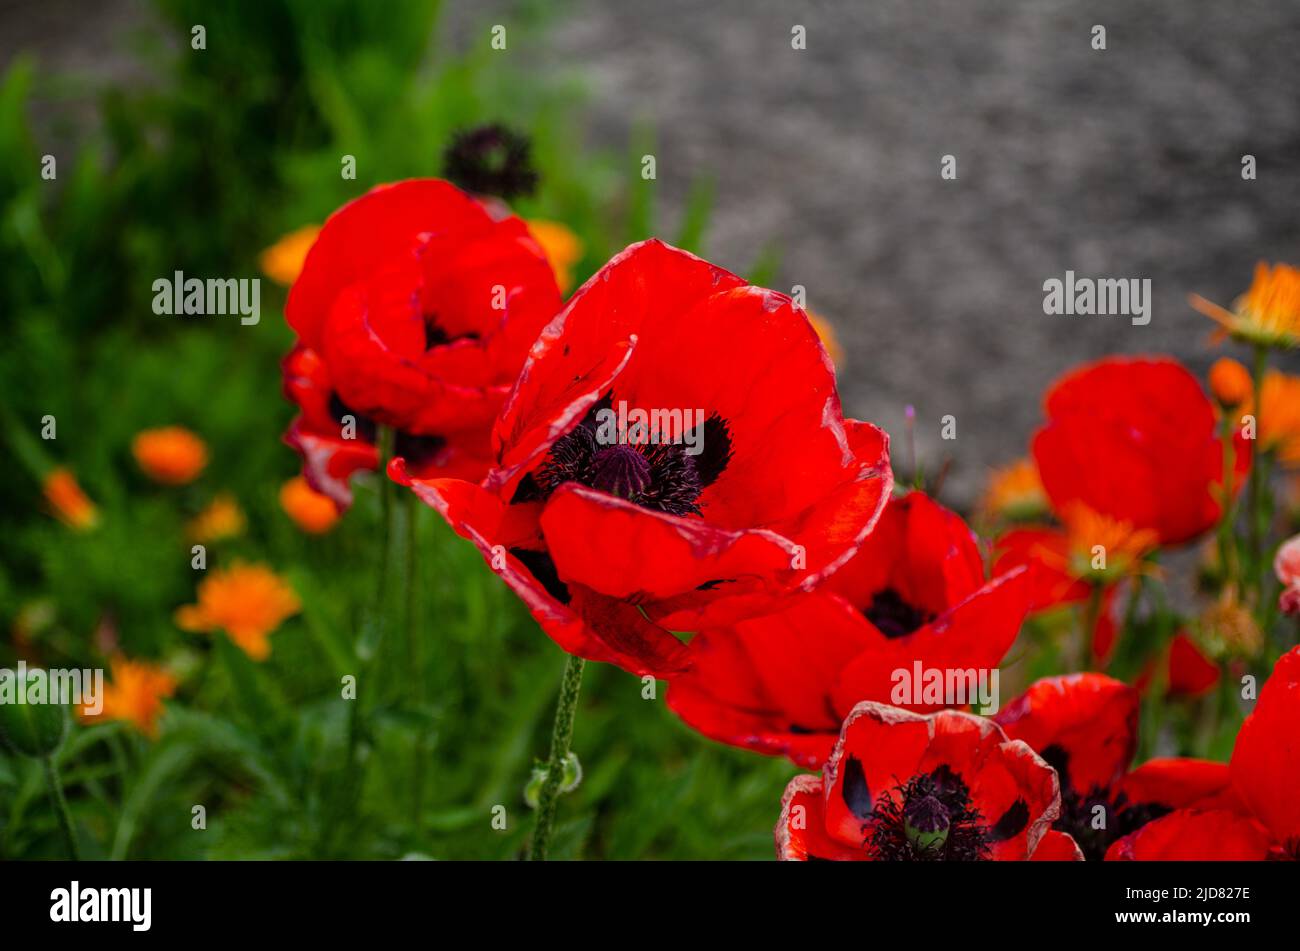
x=248, y=602
x=171, y=455
x=1103, y=548
x=563, y=249
x=135, y=693
x=1015, y=493
x=222, y=518
x=282, y=261
x=69, y=504
x=1268, y=314
x=311, y=511
x=827, y=334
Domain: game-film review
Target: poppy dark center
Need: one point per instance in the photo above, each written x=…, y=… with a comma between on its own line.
x=436, y=336
x=930, y=818
x=662, y=476
x=1098, y=817
x=894, y=616
x=416, y=450
x=620, y=470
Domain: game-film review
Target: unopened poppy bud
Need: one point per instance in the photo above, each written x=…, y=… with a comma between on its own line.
x=29, y=723
x=926, y=824
x=570, y=779
x=1230, y=382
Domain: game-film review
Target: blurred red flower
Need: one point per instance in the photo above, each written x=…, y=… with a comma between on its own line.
x=902, y=786
x=914, y=593
x=615, y=543
x=415, y=308
x=1136, y=440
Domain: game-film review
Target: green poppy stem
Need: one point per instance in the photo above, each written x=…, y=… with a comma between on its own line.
x=561, y=738
x=1255, y=528
x=60, y=806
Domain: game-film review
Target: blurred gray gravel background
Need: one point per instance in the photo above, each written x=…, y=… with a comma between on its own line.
x=1117, y=163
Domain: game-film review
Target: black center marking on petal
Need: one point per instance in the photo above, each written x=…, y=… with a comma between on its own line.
x=854, y=789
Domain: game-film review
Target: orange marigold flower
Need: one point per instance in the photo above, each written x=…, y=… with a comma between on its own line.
x=1015, y=493
x=1278, y=421
x=1103, y=548
x=1268, y=313
x=282, y=261
x=827, y=335
x=563, y=249
x=1230, y=382
x=313, y=512
x=69, y=504
x=248, y=602
x=135, y=693
x=171, y=455
x=1279, y=417
x=222, y=518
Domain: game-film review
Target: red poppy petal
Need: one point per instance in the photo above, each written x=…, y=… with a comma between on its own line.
x=576, y=358
x=764, y=684
x=1177, y=783
x=973, y=636
x=1090, y=718
x=940, y=564
x=800, y=832
x=1156, y=429
x=1046, y=552
x=1266, y=760
x=1057, y=846
x=1188, y=835
x=1191, y=674
x=624, y=550
x=589, y=625
x=382, y=225
x=328, y=463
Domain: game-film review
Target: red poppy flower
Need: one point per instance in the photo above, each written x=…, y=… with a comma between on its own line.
x=1266, y=759
x=1135, y=440
x=902, y=786
x=744, y=484
x=1188, y=672
x=913, y=594
x=415, y=309
x=1191, y=835
x=1085, y=725
x=335, y=441
x=1258, y=817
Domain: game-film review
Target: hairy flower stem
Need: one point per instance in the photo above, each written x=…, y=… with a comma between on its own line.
x=561, y=737
x=1255, y=530
x=60, y=806
x=1087, y=625
x=375, y=622
x=414, y=651
x=1228, y=518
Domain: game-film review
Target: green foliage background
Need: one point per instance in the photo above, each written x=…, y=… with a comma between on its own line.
x=200, y=170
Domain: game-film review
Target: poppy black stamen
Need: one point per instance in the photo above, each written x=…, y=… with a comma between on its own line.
x=930, y=818
x=491, y=160
x=1097, y=817
x=662, y=476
